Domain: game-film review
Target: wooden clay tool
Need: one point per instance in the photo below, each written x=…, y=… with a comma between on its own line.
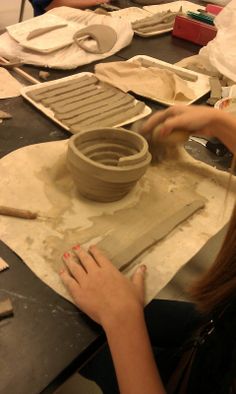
x=19, y=213
x=20, y=72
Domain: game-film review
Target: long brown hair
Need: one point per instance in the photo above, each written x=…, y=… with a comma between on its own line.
x=218, y=286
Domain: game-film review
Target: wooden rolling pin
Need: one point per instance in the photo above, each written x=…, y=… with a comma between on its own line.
x=18, y=213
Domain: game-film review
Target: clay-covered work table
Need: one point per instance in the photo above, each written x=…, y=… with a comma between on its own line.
x=47, y=335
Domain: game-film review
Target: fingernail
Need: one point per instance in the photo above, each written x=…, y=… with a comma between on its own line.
x=142, y=268
x=76, y=247
x=61, y=271
x=66, y=255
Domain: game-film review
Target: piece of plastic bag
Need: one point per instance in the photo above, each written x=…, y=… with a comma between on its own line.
x=221, y=51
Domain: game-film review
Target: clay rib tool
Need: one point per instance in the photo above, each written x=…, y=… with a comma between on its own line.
x=181, y=73
x=3, y=264
x=20, y=72
x=20, y=213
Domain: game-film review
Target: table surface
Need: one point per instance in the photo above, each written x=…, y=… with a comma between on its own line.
x=48, y=338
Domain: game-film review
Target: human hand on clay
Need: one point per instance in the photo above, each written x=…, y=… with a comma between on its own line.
x=198, y=120
x=192, y=119
x=99, y=289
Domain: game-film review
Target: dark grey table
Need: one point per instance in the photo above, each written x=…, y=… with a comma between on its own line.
x=48, y=338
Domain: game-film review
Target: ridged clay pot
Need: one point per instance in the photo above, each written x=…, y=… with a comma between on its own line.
x=106, y=163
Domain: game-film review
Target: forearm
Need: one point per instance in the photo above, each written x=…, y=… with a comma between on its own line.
x=72, y=3
x=223, y=127
x=132, y=356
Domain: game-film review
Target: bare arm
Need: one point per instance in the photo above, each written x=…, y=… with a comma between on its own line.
x=116, y=303
x=82, y=4
x=132, y=356
x=196, y=120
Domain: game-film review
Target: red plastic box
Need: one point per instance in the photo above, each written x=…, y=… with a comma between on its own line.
x=192, y=30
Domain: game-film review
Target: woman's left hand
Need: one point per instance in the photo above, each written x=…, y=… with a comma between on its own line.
x=99, y=289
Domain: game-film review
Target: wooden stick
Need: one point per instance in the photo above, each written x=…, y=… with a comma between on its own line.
x=20, y=72
x=18, y=213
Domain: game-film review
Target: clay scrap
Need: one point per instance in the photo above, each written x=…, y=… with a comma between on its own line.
x=85, y=102
x=155, y=23
x=106, y=163
x=6, y=308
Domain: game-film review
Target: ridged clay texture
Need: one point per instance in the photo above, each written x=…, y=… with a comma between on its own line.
x=106, y=163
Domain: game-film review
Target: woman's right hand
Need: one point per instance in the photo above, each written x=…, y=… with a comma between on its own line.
x=198, y=120
x=193, y=119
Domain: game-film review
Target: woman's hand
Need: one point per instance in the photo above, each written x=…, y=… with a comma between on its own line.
x=99, y=289
x=200, y=120
x=194, y=119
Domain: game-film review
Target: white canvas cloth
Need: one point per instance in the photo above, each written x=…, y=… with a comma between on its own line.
x=70, y=56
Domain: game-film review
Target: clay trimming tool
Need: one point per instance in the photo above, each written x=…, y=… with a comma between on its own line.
x=20, y=213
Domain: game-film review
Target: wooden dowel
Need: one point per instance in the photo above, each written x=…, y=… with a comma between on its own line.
x=20, y=72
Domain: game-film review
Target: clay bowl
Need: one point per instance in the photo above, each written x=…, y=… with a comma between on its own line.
x=106, y=163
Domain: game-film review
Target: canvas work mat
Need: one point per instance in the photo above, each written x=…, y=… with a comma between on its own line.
x=68, y=57
x=9, y=86
x=170, y=187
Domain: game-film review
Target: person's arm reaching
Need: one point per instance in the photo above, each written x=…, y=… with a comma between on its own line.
x=82, y=4
x=116, y=303
x=197, y=120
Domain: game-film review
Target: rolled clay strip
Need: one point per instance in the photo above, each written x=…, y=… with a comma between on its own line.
x=47, y=97
x=105, y=37
x=43, y=30
x=60, y=97
x=37, y=94
x=113, y=110
x=102, y=179
x=78, y=110
x=93, y=99
x=181, y=73
x=112, y=120
x=70, y=104
x=92, y=112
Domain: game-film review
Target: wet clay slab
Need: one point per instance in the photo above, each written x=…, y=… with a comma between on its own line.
x=83, y=102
